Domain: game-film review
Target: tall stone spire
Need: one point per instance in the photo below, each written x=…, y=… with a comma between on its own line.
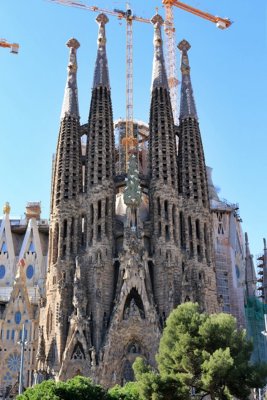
x=70, y=102
x=187, y=105
x=162, y=135
x=101, y=75
x=100, y=149
x=65, y=227
x=195, y=216
x=99, y=189
x=191, y=162
x=159, y=75
x=67, y=168
x=163, y=186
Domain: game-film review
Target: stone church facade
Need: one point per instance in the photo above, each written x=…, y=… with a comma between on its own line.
x=23, y=263
x=127, y=243
x=115, y=273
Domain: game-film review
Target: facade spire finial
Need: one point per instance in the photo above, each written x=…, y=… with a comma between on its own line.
x=101, y=75
x=159, y=77
x=187, y=106
x=6, y=208
x=70, y=103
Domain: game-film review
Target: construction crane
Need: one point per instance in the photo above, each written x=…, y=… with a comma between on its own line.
x=13, y=46
x=169, y=28
x=129, y=141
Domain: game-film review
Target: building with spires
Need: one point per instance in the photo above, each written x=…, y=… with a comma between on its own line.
x=23, y=261
x=124, y=249
x=230, y=254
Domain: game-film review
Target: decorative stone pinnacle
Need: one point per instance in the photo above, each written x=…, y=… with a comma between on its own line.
x=102, y=19
x=6, y=208
x=101, y=77
x=70, y=102
x=184, y=45
x=157, y=19
x=73, y=43
x=187, y=103
x=159, y=77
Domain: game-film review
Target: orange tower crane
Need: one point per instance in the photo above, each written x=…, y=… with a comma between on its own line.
x=129, y=141
x=13, y=46
x=221, y=23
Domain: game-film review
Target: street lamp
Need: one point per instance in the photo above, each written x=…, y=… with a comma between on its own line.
x=22, y=343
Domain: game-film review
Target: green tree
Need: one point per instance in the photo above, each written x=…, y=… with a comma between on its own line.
x=128, y=392
x=153, y=386
x=78, y=388
x=208, y=354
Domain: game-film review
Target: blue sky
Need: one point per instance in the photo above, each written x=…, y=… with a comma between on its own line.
x=229, y=75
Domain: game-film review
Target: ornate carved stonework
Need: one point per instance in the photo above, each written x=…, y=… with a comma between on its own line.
x=114, y=278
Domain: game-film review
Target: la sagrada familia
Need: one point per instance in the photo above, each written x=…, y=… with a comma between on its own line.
x=126, y=245
x=112, y=280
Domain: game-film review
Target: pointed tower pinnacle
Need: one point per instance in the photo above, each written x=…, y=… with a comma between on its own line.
x=70, y=102
x=101, y=76
x=6, y=208
x=159, y=76
x=187, y=105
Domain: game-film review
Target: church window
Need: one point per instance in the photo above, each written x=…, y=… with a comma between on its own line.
x=98, y=232
x=32, y=248
x=133, y=306
x=158, y=200
x=92, y=213
x=190, y=227
x=133, y=348
x=4, y=248
x=29, y=271
x=78, y=353
x=7, y=334
x=205, y=234
x=128, y=374
x=13, y=335
x=99, y=209
x=191, y=249
x=166, y=209
x=2, y=271
x=106, y=206
x=65, y=226
x=13, y=362
x=167, y=232
x=159, y=228
x=197, y=229
x=182, y=230
x=55, y=243
x=220, y=228
x=17, y=317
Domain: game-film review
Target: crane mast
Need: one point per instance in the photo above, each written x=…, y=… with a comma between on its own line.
x=169, y=28
x=129, y=135
x=171, y=60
